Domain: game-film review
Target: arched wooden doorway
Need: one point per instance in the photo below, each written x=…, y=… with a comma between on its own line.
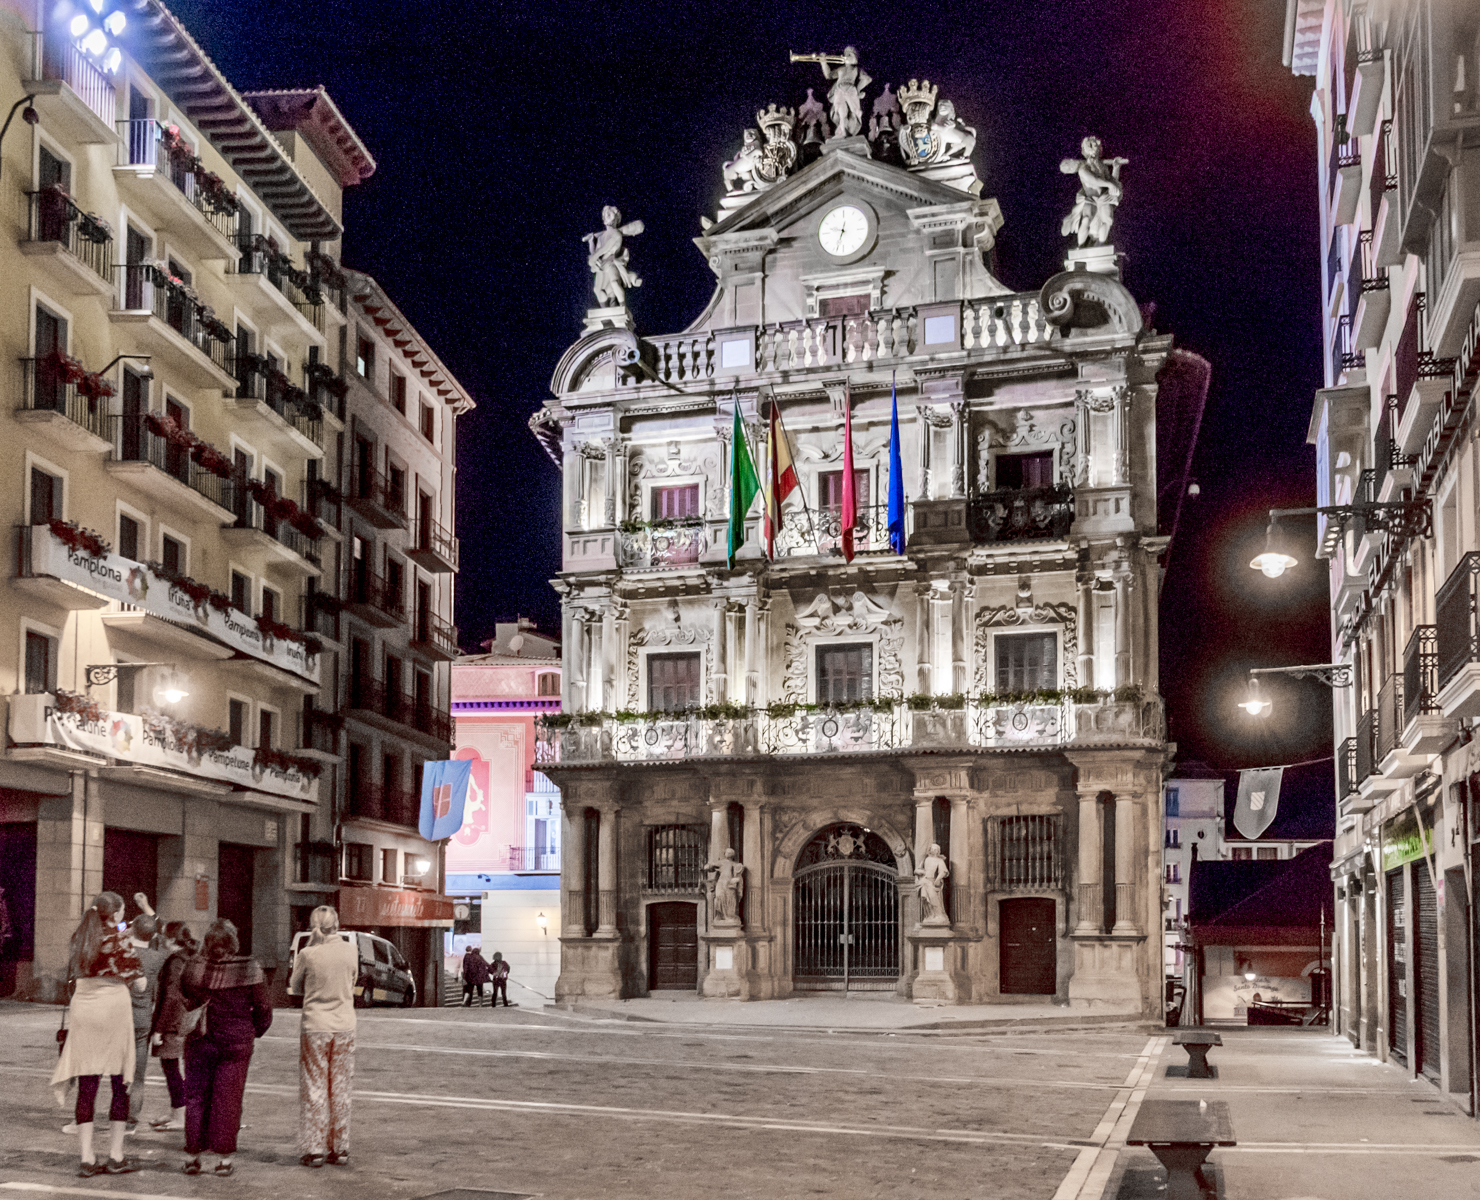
x=846, y=905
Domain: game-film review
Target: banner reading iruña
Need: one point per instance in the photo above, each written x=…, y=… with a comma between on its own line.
x=130, y=582
x=35, y=720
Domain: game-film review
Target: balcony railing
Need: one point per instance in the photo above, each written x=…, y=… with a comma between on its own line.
x=251, y=515
x=372, y=492
x=372, y=591
x=372, y=695
x=1383, y=180
x=1421, y=674
x=886, y=727
x=1346, y=768
x=1389, y=716
x=62, y=59
x=1343, y=356
x=148, y=288
x=44, y=388
x=433, y=632
x=433, y=540
x=1345, y=152
x=1021, y=514
x=533, y=858
x=259, y=256
x=820, y=531
x=256, y=381
x=319, y=615
x=143, y=146
x=323, y=502
x=134, y=441
x=325, y=388
x=376, y=802
x=662, y=547
x=54, y=217
x=1456, y=630
x=1366, y=739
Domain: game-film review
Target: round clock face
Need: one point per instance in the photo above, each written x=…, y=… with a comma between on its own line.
x=843, y=230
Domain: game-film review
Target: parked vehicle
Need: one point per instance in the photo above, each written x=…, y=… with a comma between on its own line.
x=385, y=976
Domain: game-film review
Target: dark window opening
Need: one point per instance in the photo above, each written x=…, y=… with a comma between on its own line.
x=39, y=660
x=1019, y=471
x=1026, y=662
x=845, y=673
x=128, y=537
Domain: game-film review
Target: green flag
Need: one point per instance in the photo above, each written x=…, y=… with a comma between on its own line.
x=744, y=484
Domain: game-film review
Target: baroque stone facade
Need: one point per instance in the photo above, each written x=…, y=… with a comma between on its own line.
x=991, y=690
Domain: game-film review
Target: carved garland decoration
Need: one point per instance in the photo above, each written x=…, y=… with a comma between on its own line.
x=1028, y=434
x=1063, y=615
x=889, y=646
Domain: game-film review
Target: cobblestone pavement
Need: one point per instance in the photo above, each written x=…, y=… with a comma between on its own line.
x=531, y=1102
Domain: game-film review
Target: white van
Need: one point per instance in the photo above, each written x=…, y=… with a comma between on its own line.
x=385, y=977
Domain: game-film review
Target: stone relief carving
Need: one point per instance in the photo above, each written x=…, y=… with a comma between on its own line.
x=606, y=256
x=1056, y=430
x=1063, y=615
x=1099, y=193
x=827, y=616
x=1084, y=302
x=763, y=161
x=642, y=464
x=670, y=631
x=814, y=120
x=933, y=140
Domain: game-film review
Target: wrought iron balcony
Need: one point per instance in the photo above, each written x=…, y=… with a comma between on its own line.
x=432, y=635
x=662, y=547
x=251, y=515
x=1456, y=628
x=1021, y=514
x=375, y=498
x=146, y=288
x=55, y=218
x=433, y=546
x=1421, y=673
x=374, y=600
x=1347, y=779
x=260, y=256
x=1389, y=714
x=885, y=727
x=44, y=388
x=134, y=442
x=376, y=802
x=533, y=858
x=1366, y=739
x=820, y=531
x=143, y=145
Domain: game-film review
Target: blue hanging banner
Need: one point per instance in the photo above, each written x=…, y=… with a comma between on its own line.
x=444, y=791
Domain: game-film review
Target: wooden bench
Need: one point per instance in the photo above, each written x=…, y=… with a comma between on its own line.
x=1197, y=1041
x=1182, y=1133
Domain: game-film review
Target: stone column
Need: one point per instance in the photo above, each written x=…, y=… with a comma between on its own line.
x=1123, y=630
x=721, y=652
x=610, y=507
x=958, y=636
x=923, y=427
x=595, y=681
x=609, y=656
x=620, y=624
x=567, y=674
x=963, y=903
x=719, y=830
x=763, y=658
x=1091, y=849
x=924, y=826
x=619, y=481
x=752, y=622
x=573, y=869
x=1125, y=866
x=1086, y=631
x=958, y=449
x=576, y=658
x=940, y=644
x=754, y=857
x=606, y=873
x=69, y=873
x=922, y=638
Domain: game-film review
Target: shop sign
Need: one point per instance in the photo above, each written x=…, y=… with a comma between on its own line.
x=359, y=907
x=130, y=738
x=128, y=582
x=1404, y=839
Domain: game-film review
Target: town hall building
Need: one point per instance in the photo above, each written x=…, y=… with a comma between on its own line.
x=935, y=771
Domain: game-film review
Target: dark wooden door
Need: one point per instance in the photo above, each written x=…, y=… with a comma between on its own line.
x=1029, y=949
x=673, y=946
x=131, y=864
x=235, y=865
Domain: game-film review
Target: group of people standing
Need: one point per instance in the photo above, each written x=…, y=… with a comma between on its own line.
x=477, y=970
x=139, y=991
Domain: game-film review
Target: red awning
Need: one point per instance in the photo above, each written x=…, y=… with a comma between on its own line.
x=361, y=908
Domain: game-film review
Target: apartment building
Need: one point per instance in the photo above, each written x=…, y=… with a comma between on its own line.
x=1193, y=799
x=176, y=333
x=1396, y=104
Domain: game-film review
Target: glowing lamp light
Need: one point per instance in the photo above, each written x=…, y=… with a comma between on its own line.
x=95, y=42
x=114, y=23
x=172, y=695
x=79, y=25
x=543, y=922
x=1275, y=559
x=113, y=59
x=1256, y=705
x=420, y=866
x=1250, y=976
x=97, y=5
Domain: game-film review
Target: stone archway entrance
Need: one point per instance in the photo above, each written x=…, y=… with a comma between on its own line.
x=846, y=905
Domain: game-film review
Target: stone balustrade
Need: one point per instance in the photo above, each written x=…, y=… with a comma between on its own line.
x=887, y=728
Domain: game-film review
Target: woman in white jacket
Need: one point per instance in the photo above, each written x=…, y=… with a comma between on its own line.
x=324, y=974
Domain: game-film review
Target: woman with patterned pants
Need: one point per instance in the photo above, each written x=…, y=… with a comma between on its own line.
x=324, y=974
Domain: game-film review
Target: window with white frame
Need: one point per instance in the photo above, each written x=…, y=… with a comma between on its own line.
x=1026, y=662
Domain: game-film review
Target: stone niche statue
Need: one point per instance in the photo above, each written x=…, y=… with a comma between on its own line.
x=845, y=96
x=1100, y=190
x=606, y=256
x=728, y=881
x=932, y=874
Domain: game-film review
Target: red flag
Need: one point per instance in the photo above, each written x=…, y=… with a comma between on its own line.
x=781, y=480
x=849, y=515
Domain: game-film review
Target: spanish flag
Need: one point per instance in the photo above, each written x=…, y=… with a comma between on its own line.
x=781, y=481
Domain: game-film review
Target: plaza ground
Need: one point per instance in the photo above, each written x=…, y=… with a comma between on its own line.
x=532, y=1101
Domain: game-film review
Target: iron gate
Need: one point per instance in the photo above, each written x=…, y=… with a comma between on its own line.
x=846, y=913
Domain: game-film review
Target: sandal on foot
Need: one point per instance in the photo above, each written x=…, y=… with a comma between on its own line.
x=223, y=1169
x=192, y=1167
x=88, y=1170
x=339, y=1160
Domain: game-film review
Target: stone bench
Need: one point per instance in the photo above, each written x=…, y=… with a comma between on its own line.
x=1182, y=1133
x=1197, y=1041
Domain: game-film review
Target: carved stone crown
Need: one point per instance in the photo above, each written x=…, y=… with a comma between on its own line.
x=918, y=99
x=776, y=122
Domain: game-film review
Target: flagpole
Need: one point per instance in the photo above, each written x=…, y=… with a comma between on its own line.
x=807, y=508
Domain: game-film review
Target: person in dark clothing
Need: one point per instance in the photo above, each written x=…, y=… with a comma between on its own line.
x=233, y=991
x=475, y=975
x=499, y=970
x=171, y=1020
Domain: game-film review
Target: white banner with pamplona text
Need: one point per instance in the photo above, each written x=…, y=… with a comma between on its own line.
x=35, y=720
x=130, y=582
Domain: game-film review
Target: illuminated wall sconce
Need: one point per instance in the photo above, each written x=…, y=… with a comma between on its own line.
x=543, y=922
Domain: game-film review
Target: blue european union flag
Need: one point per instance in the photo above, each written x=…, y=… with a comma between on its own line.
x=444, y=790
x=896, y=478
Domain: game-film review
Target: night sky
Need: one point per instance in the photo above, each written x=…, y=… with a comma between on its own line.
x=501, y=130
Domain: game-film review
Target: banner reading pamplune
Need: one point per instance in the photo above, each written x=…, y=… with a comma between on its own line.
x=36, y=721
x=131, y=582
